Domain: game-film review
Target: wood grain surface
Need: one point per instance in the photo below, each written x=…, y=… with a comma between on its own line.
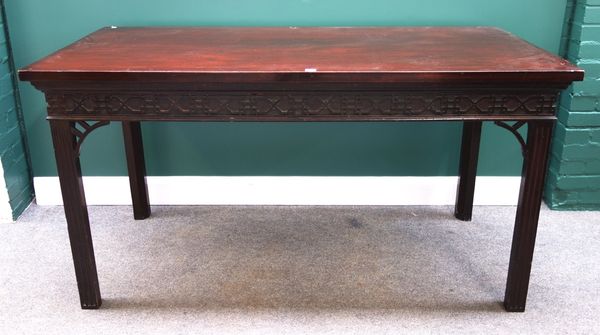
x=275, y=54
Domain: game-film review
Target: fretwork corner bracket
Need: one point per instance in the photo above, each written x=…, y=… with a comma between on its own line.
x=81, y=134
x=514, y=129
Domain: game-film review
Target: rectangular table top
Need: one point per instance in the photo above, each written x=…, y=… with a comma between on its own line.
x=284, y=54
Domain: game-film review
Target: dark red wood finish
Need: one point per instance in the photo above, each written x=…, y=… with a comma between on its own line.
x=468, y=74
x=267, y=55
x=69, y=173
x=467, y=170
x=136, y=168
x=539, y=137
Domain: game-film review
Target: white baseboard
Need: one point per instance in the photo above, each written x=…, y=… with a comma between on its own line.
x=5, y=210
x=195, y=190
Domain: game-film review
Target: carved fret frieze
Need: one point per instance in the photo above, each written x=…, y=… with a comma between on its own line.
x=301, y=104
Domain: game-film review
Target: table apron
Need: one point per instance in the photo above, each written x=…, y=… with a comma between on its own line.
x=301, y=105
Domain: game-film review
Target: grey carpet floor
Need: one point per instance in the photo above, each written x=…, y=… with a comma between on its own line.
x=297, y=269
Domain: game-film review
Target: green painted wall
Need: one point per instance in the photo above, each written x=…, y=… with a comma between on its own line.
x=574, y=176
x=39, y=27
x=13, y=153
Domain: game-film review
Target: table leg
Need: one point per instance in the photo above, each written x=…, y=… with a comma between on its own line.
x=69, y=174
x=535, y=163
x=469, y=154
x=134, y=150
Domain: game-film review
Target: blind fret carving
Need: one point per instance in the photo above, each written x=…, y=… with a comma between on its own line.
x=302, y=104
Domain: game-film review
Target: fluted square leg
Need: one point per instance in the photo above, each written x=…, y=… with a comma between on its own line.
x=535, y=164
x=467, y=171
x=136, y=168
x=69, y=173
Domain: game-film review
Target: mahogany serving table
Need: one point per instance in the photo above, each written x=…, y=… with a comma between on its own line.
x=469, y=74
